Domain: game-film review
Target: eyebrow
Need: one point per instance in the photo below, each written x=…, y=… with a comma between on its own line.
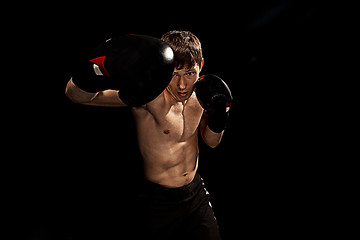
x=188, y=70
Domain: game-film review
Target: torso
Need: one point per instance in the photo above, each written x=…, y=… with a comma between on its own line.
x=167, y=134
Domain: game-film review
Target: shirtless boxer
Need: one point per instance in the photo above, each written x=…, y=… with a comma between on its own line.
x=167, y=132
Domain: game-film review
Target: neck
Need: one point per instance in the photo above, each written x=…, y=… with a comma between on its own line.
x=173, y=99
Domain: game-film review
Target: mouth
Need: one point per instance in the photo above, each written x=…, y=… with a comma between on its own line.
x=182, y=94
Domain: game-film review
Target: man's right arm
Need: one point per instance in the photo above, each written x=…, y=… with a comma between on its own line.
x=106, y=98
x=129, y=70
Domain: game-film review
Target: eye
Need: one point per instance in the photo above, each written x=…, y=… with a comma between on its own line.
x=190, y=73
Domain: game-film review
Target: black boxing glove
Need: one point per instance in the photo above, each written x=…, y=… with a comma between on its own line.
x=215, y=97
x=92, y=76
x=139, y=66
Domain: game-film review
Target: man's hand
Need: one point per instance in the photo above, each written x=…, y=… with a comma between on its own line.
x=138, y=67
x=215, y=97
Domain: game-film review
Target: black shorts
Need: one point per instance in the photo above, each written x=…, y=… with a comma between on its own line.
x=177, y=213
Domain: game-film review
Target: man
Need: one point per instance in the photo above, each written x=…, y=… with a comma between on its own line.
x=167, y=131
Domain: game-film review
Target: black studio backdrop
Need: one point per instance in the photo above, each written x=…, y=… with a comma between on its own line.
x=85, y=160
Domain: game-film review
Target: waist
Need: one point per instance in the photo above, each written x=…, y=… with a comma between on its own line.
x=159, y=191
x=176, y=176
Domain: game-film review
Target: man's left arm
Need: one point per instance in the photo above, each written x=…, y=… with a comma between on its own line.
x=215, y=97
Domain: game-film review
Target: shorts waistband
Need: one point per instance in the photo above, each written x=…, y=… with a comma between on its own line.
x=155, y=189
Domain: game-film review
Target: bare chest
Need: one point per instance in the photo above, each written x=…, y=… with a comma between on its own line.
x=164, y=123
x=180, y=122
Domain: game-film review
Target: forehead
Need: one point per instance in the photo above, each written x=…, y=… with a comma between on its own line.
x=187, y=69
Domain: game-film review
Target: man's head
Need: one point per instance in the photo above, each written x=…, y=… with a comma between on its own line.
x=188, y=62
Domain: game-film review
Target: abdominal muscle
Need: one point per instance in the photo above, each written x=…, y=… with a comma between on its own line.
x=170, y=164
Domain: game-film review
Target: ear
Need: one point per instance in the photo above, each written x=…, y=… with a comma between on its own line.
x=202, y=64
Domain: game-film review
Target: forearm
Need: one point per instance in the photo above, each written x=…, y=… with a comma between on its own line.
x=212, y=139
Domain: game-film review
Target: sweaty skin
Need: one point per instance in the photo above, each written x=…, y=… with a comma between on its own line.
x=167, y=127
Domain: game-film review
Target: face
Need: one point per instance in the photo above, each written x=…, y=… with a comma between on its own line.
x=182, y=82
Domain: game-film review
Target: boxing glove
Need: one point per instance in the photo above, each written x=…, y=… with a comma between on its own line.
x=215, y=97
x=139, y=66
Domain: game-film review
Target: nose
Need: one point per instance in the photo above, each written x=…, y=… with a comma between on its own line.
x=182, y=83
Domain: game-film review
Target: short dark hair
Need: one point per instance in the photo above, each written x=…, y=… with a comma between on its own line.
x=186, y=47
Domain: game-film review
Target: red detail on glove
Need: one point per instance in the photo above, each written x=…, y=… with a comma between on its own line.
x=100, y=62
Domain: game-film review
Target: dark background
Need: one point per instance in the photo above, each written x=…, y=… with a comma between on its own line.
x=74, y=166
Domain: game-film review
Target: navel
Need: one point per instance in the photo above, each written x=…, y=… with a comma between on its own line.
x=166, y=131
